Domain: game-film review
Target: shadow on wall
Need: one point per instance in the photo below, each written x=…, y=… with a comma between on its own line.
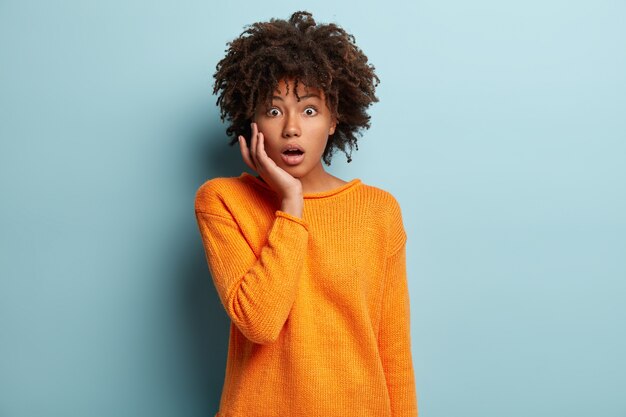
x=207, y=324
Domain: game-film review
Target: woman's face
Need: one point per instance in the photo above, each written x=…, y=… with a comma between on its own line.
x=305, y=124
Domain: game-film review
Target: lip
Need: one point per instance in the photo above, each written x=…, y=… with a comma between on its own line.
x=291, y=146
x=292, y=159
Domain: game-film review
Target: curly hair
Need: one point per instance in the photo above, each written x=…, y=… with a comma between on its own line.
x=321, y=56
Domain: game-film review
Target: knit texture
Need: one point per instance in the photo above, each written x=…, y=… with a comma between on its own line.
x=319, y=305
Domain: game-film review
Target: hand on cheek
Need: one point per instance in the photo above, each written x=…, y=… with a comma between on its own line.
x=256, y=158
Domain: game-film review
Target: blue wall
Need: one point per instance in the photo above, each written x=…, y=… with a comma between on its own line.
x=501, y=130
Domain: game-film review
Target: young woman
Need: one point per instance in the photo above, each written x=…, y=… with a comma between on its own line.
x=311, y=269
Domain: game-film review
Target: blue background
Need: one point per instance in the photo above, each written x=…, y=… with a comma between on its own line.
x=501, y=130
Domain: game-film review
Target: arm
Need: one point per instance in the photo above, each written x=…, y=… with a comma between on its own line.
x=257, y=293
x=394, y=337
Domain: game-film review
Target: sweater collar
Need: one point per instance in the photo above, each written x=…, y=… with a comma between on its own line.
x=321, y=194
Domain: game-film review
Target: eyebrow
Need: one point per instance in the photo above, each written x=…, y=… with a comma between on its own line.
x=301, y=97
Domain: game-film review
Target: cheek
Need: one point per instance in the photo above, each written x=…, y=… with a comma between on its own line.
x=272, y=148
x=320, y=146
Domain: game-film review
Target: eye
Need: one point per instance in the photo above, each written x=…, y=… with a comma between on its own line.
x=273, y=112
x=310, y=111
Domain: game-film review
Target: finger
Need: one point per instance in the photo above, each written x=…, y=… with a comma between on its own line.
x=261, y=154
x=245, y=153
x=259, y=148
x=253, y=145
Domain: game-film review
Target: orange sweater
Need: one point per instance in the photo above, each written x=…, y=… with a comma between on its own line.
x=319, y=306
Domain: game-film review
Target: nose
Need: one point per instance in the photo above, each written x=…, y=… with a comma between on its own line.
x=291, y=127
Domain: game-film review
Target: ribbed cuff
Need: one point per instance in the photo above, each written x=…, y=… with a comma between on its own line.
x=293, y=218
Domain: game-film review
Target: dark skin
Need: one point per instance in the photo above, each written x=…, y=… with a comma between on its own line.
x=288, y=188
x=318, y=55
x=304, y=119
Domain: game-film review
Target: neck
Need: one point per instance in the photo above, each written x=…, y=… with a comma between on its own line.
x=319, y=180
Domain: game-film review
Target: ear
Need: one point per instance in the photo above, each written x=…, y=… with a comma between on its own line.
x=333, y=126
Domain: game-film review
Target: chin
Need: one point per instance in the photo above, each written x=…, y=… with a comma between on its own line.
x=297, y=171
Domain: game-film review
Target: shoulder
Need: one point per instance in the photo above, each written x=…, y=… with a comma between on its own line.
x=386, y=207
x=210, y=196
x=380, y=198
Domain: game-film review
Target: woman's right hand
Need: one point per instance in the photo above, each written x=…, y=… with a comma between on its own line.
x=286, y=186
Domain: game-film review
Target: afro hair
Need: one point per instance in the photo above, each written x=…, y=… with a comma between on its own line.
x=323, y=56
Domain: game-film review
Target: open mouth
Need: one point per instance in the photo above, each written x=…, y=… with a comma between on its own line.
x=292, y=156
x=293, y=152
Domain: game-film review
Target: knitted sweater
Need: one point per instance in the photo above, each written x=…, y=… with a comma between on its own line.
x=319, y=305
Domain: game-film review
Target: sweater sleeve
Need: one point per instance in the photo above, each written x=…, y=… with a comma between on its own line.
x=257, y=292
x=395, y=339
